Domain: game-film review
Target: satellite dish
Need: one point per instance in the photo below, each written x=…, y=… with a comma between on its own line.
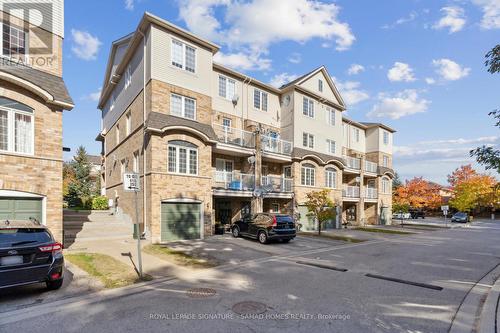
x=251, y=159
x=235, y=99
x=257, y=192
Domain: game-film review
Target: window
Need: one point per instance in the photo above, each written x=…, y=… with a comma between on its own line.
x=128, y=77
x=183, y=56
x=386, y=138
x=16, y=127
x=307, y=140
x=259, y=100
x=320, y=85
x=135, y=166
x=117, y=133
x=13, y=41
x=112, y=103
x=224, y=170
x=330, y=116
x=227, y=87
x=355, y=134
x=307, y=175
x=182, y=157
x=226, y=122
x=386, y=185
x=385, y=161
x=308, y=107
x=275, y=207
x=330, y=178
x=182, y=106
x=128, y=123
x=330, y=146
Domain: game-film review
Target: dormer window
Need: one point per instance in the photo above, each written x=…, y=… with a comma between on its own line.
x=183, y=56
x=14, y=40
x=320, y=85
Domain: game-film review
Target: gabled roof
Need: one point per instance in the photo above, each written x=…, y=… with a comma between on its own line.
x=355, y=123
x=295, y=83
x=370, y=125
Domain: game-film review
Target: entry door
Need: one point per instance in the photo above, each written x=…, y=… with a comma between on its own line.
x=224, y=170
x=351, y=213
x=20, y=209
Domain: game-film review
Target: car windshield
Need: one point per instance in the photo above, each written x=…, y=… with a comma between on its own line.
x=12, y=236
x=460, y=215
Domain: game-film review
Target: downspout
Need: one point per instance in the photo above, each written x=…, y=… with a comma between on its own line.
x=144, y=197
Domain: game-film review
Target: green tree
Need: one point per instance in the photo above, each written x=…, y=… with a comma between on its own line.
x=396, y=182
x=320, y=206
x=81, y=188
x=486, y=155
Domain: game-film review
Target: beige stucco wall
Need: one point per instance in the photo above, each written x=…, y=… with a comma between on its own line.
x=312, y=85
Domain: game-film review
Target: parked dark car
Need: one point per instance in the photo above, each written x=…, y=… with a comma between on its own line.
x=29, y=254
x=265, y=227
x=460, y=217
x=417, y=213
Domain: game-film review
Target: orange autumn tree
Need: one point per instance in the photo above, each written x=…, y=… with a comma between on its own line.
x=461, y=174
x=417, y=193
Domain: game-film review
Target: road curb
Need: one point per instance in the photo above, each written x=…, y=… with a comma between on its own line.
x=490, y=315
x=470, y=310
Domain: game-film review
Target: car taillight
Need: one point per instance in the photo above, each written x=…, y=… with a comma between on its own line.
x=275, y=221
x=54, y=248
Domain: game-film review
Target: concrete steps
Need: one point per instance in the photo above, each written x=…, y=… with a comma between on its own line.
x=94, y=225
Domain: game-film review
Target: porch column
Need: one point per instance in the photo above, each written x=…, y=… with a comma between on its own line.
x=361, y=218
x=257, y=202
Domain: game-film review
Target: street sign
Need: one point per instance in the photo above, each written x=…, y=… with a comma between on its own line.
x=444, y=208
x=131, y=182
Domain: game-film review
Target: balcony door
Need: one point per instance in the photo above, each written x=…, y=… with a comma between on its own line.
x=224, y=170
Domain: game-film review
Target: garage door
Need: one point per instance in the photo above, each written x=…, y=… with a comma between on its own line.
x=20, y=208
x=180, y=220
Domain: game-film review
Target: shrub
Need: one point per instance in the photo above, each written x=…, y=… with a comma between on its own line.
x=99, y=203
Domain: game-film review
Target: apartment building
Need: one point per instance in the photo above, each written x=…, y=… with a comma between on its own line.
x=33, y=97
x=212, y=144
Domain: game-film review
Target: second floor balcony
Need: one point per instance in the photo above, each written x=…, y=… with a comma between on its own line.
x=234, y=181
x=370, y=193
x=353, y=162
x=277, y=184
x=370, y=167
x=275, y=145
x=350, y=191
x=234, y=136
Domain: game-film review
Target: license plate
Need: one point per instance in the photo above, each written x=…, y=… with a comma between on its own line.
x=11, y=260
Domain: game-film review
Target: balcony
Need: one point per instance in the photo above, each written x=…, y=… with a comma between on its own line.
x=274, y=145
x=277, y=184
x=234, y=181
x=370, y=193
x=234, y=136
x=353, y=162
x=350, y=191
x=370, y=167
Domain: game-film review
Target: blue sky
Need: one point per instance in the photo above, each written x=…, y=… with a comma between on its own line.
x=416, y=65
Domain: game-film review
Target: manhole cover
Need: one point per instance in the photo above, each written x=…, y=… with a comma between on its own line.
x=249, y=307
x=201, y=292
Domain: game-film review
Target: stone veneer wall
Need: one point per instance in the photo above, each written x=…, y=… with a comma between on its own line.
x=40, y=173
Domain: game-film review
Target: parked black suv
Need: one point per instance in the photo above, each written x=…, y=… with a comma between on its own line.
x=29, y=254
x=417, y=213
x=265, y=227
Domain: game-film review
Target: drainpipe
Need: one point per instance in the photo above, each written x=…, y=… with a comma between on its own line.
x=144, y=197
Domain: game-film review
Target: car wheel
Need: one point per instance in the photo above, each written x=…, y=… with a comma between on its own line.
x=54, y=285
x=236, y=232
x=262, y=237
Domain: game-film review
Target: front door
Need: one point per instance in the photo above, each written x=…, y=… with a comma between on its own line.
x=223, y=212
x=351, y=214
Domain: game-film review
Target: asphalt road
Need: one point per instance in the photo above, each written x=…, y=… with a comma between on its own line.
x=296, y=296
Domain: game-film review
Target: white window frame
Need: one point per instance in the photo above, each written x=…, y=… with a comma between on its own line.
x=310, y=172
x=320, y=85
x=11, y=131
x=263, y=96
x=188, y=160
x=309, y=140
x=123, y=168
x=183, y=106
x=229, y=125
x=329, y=144
x=330, y=178
x=128, y=77
x=308, y=107
x=385, y=138
x=26, y=44
x=356, y=134
x=183, y=64
x=330, y=116
x=128, y=123
x=386, y=185
x=385, y=161
x=135, y=165
x=227, y=82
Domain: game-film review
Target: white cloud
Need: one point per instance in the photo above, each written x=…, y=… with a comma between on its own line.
x=250, y=27
x=243, y=61
x=129, y=5
x=94, y=97
x=401, y=72
x=450, y=70
x=355, y=69
x=453, y=19
x=491, y=13
x=430, y=80
x=350, y=91
x=85, y=46
x=402, y=104
x=280, y=79
x=412, y=16
x=295, y=58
